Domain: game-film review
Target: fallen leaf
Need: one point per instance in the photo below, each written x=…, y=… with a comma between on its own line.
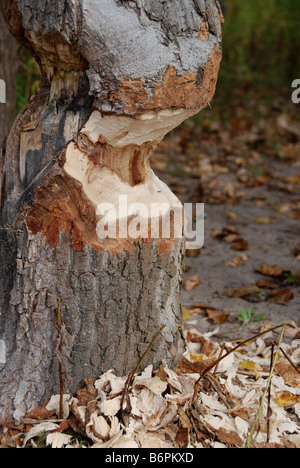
x=196, y=311
x=286, y=399
x=293, y=331
x=225, y=232
x=231, y=238
x=243, y=291
x=269, y=270
x=183, y=434
x=231, y=215
x=191, y=283
x=281, y=296
x=267, y=284
x=237, y=261
x=294, y=179
x=263, y=220
x=192, y=253
x=288, y=152
x=87, y=393
x=185, y=366
x=230, y=438
x=239, y=245
x=288, y=373
x=251, y=367
x=217, y=317
x=182, y=437
x=185, y=314
x=40, y=413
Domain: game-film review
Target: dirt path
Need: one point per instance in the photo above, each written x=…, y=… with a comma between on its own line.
x=248, y=175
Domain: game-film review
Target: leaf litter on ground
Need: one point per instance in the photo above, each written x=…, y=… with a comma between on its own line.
x=211, y=400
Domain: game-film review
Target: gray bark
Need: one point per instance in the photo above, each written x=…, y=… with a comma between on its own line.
x=116, y=77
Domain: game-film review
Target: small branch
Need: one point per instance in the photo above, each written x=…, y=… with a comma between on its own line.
x=132, y=374
x=61, y=386
x=249, y=438
x=269, y=412
x=218, y=361
x=290, y=361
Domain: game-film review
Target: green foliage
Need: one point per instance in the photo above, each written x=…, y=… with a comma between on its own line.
x=261, y=43
x=28, y=79
x=247, y=316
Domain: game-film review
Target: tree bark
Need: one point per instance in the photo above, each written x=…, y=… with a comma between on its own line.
x=117, y=75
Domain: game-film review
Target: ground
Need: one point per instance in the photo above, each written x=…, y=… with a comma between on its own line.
x=244, y=164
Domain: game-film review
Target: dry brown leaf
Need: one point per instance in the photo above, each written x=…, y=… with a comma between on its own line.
x=193, y=337
x=288, y=373
x=296, y=250
x=281, y=296
x=217, y=317
x=267, y=284
x=196, y=311
x=293, y=331
x=191, y=283
x=243, y=291
x=231, y=238
x=87, y=394
x=237, y=261
x=269, y=270
x=286, y=399
x=263, y=220
x=229, y=438
x=40, y=413
x=192, y=253
x=239, y=245
x=207, y=346
x=225, y=231
x=182, y=436
x=231, y=215
x=185, y=366
x=295, y=215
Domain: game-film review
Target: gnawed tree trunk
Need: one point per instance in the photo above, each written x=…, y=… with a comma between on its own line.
x=117, y=76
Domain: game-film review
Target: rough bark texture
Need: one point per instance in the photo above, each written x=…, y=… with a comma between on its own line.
x=8, y=73
x=117, y=76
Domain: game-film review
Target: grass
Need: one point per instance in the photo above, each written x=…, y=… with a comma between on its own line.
x=247, y=316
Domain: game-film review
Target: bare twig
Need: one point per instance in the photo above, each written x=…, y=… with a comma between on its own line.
x=290, y=361
x=269, y=412
x=220, y=355
x=61, y=386
x=250, y=436
x=132, y=374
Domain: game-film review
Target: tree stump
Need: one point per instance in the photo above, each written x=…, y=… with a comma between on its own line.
x=117, y=75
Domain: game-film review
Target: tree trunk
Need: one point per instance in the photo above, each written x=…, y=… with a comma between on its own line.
x=117, y=75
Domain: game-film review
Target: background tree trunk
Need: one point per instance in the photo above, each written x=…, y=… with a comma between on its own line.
x=117, y=75
x=8, y=73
